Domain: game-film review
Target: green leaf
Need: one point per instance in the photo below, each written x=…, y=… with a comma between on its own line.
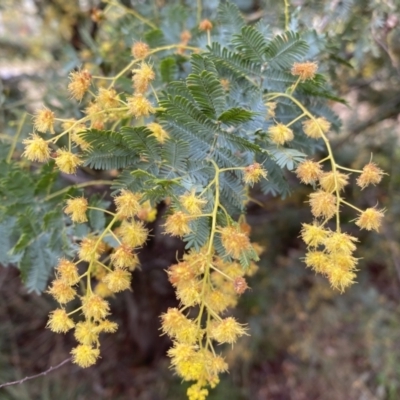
x=154, y=38
x=168, y=69
x=175, y=154
x=286, y=49
x=236, y=115
x=230, y=17
x=207, y=90
x=251, y=43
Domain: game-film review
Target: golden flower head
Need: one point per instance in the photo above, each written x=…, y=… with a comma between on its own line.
x=67, y=162
x=97, y=117
x=118, y=280
x=192, y=203
x=227, y=331
x=124, y=258
x=107, y=98
x=90, y=250
x=77, y=208
x=133, y=233
x=85, y=355
x=371, y=175
x=218, y=300
x=86, y=333
x=205, y=25
x=147, y=212
x=340, y=279
x=127, y=203
x=139, y=106
x=240, y=285
x=93, y=306
x=314, y=128
x=140, y=50
x=253, y=173
x=370, y=219
x=107, y=326
x=305, y=70
x=340, y=243
x=62, y=291
x=313, y=235
x=67, y=271
x=177, y=224
x=234, y=241
x=323, y=204
x=309, y=171
x=178, y=327
x=158, y=132
x=189, y=293
x=102, y=290
x=280, y=134
x=44, y=120
x=59, y=322
x=181, y=273
x=318, y=261
x=197, y=392
x=36, y=148
x=79, y=83
x=331, y=181
x=142, y=77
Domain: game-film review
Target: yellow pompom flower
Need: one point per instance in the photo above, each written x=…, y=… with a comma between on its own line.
x=67, y=271
x=79, y=84
x=124, y=258
x=305, y=70
x=139, y=106
x=85, y=355
x=340, y=279
x=36, y=148
x=140, y=50
x=340, y=243
x=95, y=307
x=370, y=219
x=227, y=330
x=147, y=213
x=329, y=181
x=253, y=173
x=133, y=233
x=323, y=204
x=196, y=392
x=127, y=203
x=205, y=25
x=181, y=272
x=318, y=261
x=313, y=235
x=107, y=98
x=371, y=175
x=178, y=327
x=217, y=300
x=189, y=293
x=67, y=162
x=142, y=77
x=107, y=326
x=102, y=290
x=234, y=241
x=61, y=291
x=118, y=280
x=44, y=120
x=89, y=249
x=59, y=322
x=280, y=134
x=158, y=132
x=86, y=333
x=177, y=224
x=309, y=172
x=192, y=203
x=314, y=128
x=77, y=208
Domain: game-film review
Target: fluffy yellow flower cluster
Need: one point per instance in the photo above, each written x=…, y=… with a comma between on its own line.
x=110, y=279
x=330, y=253
x=212, y=283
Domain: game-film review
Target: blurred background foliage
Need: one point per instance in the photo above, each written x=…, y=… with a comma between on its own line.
x=307, y=342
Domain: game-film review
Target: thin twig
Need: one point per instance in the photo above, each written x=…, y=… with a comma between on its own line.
x=27, y=378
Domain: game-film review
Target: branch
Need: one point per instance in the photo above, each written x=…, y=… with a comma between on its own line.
x=27, y=378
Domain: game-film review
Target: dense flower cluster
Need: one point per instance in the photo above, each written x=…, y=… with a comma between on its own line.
x=110, y=279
